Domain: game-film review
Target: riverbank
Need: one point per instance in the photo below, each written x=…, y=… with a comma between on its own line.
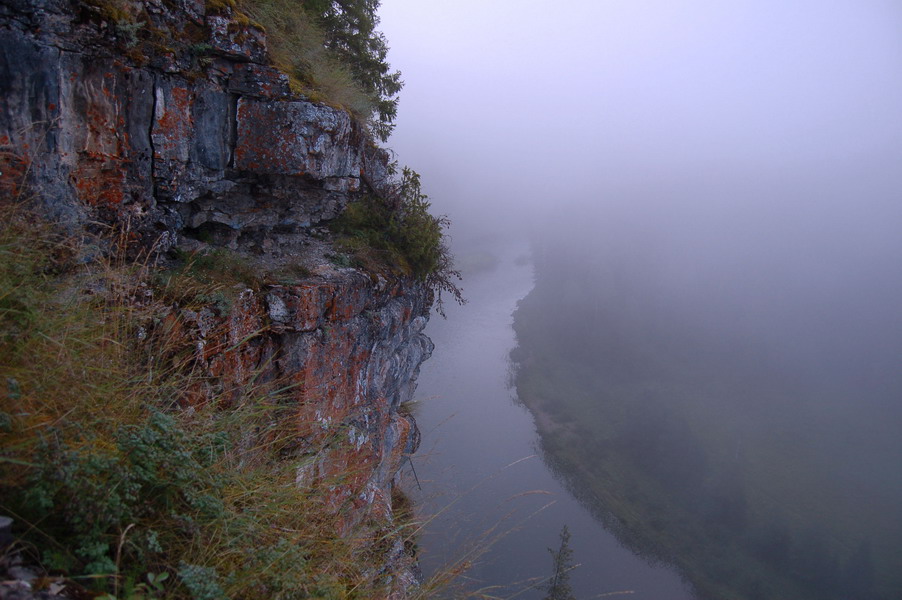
x=496, y=500
x=699, y=450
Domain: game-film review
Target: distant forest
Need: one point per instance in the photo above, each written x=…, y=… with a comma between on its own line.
x=718, y=432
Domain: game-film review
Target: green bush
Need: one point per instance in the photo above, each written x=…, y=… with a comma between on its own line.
x=86, y=490
x=399, y=232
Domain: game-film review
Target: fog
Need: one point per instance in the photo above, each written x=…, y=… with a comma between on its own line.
x=518, y=106
x=739, y=161
x=705, y=183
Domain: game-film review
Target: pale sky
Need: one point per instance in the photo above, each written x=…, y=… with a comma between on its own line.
x=728, y=171
x=520, y=103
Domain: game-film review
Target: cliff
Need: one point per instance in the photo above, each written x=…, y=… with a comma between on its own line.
x=159, y=126
x=184, y=132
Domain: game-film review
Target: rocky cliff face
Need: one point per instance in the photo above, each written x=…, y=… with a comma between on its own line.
x=163, y=121
x=349, y=350
x=171, y=120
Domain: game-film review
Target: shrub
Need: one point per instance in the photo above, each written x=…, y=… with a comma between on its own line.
x=399, y=232
x=86, y=490
x=112, y=483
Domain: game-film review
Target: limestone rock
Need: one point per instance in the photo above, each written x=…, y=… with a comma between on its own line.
x=195, y=140
x=168, y=142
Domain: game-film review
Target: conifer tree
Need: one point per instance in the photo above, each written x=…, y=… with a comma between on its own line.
x=558, y=587
x=350, y=27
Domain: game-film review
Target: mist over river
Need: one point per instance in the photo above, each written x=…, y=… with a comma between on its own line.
x=496, y=502
x=713, y=337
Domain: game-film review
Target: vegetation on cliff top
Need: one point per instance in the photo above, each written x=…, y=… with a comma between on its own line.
x=331, y=49
x=336, y=54
x=399, y=232
x=121, y=476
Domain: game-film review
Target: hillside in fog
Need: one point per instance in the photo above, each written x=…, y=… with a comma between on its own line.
x=726, y=406
x=713, y=193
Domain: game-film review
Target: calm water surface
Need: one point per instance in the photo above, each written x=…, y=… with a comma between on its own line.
x=481, y=471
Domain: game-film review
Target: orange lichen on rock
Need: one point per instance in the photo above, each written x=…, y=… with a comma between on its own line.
x=100, y=185
x=13, y=169
x=346, y=352
x=173, y=124
x=99, y=176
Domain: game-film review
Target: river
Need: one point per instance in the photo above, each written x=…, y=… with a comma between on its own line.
x=487, y=495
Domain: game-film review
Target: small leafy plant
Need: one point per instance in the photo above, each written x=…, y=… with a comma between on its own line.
x=399, y=233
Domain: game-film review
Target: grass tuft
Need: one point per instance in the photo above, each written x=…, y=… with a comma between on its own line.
x=298, y=47
x=118, y=478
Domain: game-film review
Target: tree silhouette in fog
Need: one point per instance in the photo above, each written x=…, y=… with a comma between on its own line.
x=559, y=585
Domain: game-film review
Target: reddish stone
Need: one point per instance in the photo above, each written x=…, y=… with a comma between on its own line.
x=295, y=138
x=172, y=127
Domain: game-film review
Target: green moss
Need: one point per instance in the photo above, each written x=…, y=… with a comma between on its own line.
x=231, y=9
x=290, y=274
x=220, y=6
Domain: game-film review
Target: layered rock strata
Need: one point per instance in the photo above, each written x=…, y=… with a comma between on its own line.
x=169, y=125
x=170, y=119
